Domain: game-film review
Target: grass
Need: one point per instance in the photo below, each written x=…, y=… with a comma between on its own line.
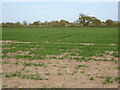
x=34, y=64
x=88, y=75
x=25, y=76
x=58, y=73
x=47, y=73
x=23, y=56
x=81, y=71
x=92, y=78
x=78, y=66
x=65, y=34
x=57, y=41
x=108, y=79
x=117, y=79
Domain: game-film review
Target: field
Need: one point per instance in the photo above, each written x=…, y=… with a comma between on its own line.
x=67, y=57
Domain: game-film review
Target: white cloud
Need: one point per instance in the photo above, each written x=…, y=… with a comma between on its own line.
x=60, y=0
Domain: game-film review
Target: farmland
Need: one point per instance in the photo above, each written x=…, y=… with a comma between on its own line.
x=66, y=57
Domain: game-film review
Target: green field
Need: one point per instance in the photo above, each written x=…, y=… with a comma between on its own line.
x=87, y=55
x=56, y=41
x=70, y=34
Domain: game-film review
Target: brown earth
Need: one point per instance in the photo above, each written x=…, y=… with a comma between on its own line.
x=62, y=74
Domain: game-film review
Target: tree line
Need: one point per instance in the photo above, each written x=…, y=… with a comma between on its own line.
x=82, y=21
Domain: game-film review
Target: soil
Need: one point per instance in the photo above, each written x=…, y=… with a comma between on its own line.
x=62, y=74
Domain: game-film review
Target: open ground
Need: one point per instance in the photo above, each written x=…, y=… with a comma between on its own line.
x=67, y=57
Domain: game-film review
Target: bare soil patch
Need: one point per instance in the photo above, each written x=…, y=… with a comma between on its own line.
x=68, y=43
x=62, y=74
x=8, y=41
x=59, y=73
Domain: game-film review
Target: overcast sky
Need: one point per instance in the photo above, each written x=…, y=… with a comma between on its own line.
x=32, y=11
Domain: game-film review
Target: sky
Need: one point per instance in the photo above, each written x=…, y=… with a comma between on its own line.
x=59, y=0
x=33, y=11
